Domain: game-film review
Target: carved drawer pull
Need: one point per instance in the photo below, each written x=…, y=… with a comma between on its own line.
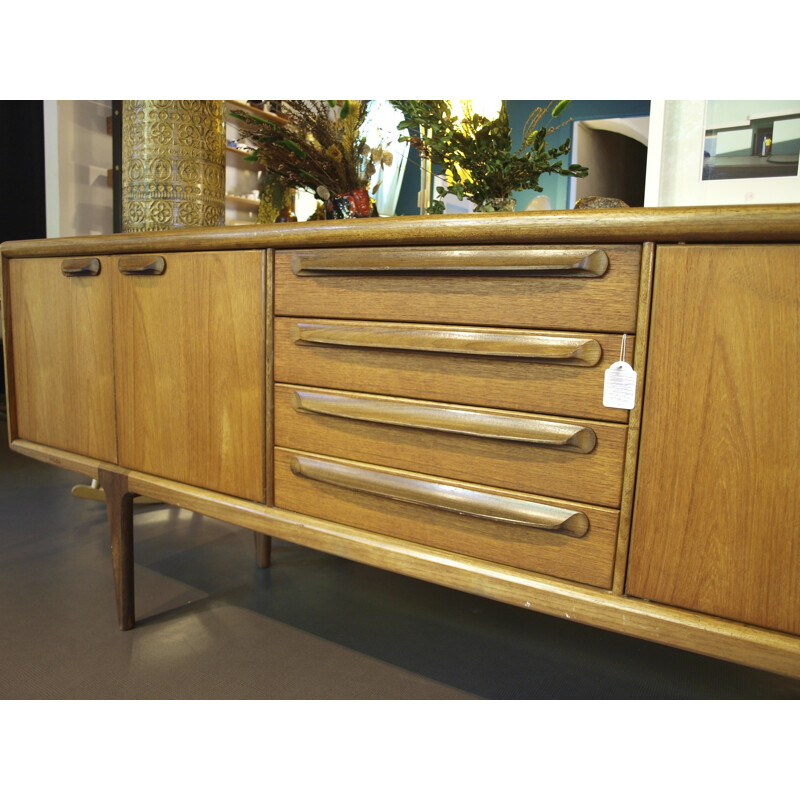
x=142, y=265
x=483, y=423
x=588, y=262
x=577, y=350
x=442, y=496
x=80, y=267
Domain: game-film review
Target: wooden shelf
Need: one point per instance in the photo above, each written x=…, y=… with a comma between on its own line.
x=243, y=202
x=242, y=175
x=239, y=152
x=240, y=163
x=267, y=116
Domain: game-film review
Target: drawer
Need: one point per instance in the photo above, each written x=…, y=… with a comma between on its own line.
x=592, y=288
x=543, y=372
x=552, y=456
x=565, y=540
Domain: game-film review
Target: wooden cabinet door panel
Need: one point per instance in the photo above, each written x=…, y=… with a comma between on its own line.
x=717, y=516
x=189, y=351
x=62, y=355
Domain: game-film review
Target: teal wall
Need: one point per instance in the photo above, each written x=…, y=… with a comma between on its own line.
x=554, y=186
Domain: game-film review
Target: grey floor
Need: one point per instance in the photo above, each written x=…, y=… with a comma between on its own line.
x=211, y=625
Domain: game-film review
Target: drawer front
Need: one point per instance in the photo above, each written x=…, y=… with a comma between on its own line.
x=566, y=540
x=522, y=370
x=558, y=457
x=588, y=288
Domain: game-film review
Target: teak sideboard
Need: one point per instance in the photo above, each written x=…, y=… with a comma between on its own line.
x=426, y=395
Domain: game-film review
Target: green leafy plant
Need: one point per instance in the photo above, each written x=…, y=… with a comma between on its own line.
x=476, y=155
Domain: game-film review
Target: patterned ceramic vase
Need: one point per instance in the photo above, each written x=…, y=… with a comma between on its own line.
x=349, y=206
x=173, y=164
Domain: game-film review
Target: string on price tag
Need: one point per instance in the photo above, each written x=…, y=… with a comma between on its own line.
x=619, y=387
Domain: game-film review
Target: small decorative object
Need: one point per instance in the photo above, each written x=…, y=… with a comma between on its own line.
x=286, y=215
x=173, y=164
x=350, y=205
x=600, y=202
x=475, y=152
x=318, y=147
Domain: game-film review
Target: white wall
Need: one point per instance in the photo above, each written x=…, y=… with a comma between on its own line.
x=78, y=155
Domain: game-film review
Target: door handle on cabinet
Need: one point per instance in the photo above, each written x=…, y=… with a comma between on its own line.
x=482, y=423
x=142, y=265
x=442, y=496
x=585, y=262
x=576, y=350
x=80, y=267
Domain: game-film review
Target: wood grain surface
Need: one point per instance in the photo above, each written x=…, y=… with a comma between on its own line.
x=588, y=262
x=588, y=559
x=635, y=418
x=473, y=501
x=591, y=477
x=62, y=357
x=773, y=222
x=482, y=380
x=597, y=303
x=119, y=506
x=717, y=518
x=190, y=364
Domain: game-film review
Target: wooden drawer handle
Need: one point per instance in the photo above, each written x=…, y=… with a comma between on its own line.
x=580, y=351
x=442, y=496
x=142, y=265
x=484, y=423
x=80, y=267
x=587, y=263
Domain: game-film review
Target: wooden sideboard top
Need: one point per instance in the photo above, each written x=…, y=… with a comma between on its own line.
x=745, y=223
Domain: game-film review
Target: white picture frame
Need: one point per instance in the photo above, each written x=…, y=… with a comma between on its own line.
x=675, y=160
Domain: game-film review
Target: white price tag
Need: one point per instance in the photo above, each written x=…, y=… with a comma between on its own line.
x=619, y=389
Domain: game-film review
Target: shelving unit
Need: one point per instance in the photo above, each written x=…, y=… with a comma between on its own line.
x=242, y=178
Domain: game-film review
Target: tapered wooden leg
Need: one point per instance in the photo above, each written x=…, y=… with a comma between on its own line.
x=119, y=502
x=263, y=549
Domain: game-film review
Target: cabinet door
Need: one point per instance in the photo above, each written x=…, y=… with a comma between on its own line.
x=189, y=354
x=61, y=354
x=717, y=516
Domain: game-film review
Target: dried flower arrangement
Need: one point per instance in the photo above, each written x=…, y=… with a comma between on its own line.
x=475, y=153
x=319, y=146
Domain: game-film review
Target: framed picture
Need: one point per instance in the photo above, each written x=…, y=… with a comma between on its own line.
x=723, y=152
